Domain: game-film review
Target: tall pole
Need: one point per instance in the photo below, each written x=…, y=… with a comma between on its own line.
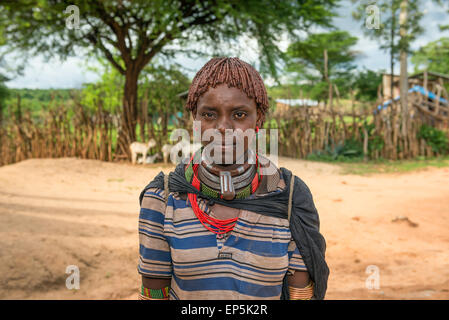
x=404, y=76
x=327, y=78
x=393, y=27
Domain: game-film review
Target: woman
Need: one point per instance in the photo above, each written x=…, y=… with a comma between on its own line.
x=228, y=230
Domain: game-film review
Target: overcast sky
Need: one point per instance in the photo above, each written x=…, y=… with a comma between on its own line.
x=72, y=72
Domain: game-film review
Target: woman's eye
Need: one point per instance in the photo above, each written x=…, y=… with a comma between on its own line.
x=240, y=115
x=208, y=115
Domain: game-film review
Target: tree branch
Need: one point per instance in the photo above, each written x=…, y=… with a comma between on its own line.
x=117, y=29
x=96, y=41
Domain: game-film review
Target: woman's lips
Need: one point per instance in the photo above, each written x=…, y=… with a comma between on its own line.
x=222, y=144
x=226, y=149
x=226, y=146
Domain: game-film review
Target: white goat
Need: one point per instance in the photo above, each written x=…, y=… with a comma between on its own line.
x=153, y=158
x=172, y=151
x=166, y=149
x=140, y=148
x=150, y=159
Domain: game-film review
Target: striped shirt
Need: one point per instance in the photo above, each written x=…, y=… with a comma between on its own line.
x=249, y=263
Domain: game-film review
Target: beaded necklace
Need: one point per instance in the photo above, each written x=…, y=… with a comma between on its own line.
x=213, y=181
x=191, y=174
x=217, y=226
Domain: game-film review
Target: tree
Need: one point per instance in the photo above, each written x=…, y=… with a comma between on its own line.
x=366, y=84
x=434, y=56
x=389, y=31
x=307, y=59
x=404, y=46
x=306, y=56
x=443, y=27
x=165, y=83
x=4, y=92
x=129, y=34
x=107, y=88
x=399, y=27
x=3, y=95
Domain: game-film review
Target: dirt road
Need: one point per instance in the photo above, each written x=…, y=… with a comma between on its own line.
x=60, y=212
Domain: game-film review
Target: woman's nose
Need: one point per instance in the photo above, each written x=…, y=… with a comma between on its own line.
x=223, y=124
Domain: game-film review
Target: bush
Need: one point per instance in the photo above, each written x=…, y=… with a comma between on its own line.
x=350, y=150
x=435, y=138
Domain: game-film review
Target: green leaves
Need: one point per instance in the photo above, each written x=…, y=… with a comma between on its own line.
x=305, y=61
x=389, y=32
x=108, y=90
x=435, y=138
x=349, y=150
x=309, y=53
x=366, y=83
x=434, y=56
x=139, y=30
x=163, y=84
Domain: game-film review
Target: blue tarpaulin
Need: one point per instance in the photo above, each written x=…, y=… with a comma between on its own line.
x=418, y=89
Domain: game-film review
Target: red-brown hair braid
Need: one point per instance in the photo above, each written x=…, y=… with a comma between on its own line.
x=233, y=72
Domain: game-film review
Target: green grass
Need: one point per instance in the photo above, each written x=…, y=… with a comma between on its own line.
x=390, y=166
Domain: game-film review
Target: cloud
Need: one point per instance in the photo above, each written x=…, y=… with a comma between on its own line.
x=38, y=73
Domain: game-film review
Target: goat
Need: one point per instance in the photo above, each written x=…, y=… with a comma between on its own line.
x=187, y=149
x=140, y=148
x=153, y=158
x=166, y=148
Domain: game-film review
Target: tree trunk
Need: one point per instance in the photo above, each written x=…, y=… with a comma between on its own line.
x=404, y=76
x=164, y=126
x=127, y=130
x=2, y=161
x=144, y=117
x=393, y=26
x=365, y=144
x=327, y=79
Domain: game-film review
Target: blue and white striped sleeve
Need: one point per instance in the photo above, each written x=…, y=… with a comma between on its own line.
x=295, y=261
x=154, y=251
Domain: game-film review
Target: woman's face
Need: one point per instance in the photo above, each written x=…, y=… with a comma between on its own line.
x=223, y=108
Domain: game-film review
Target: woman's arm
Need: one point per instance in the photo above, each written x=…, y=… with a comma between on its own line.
x=299, y=279
x=155, y=265
x=154, y=289
x=155, y=283
x=299, y=286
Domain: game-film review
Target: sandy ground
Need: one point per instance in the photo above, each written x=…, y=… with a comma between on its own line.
x=60, y=212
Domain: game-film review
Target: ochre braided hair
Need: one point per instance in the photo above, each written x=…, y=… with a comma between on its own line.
x=233, y=72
